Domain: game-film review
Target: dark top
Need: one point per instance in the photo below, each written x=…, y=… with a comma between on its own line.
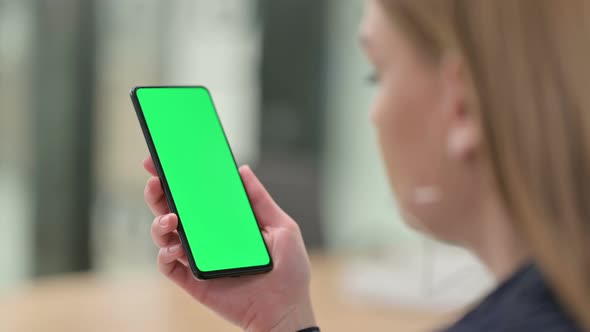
x=522, y=303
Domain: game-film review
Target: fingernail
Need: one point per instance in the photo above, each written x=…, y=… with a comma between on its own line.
x=164, y=221
x=174, y=249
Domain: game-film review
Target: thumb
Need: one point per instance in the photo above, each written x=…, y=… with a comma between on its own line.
x=265, y=208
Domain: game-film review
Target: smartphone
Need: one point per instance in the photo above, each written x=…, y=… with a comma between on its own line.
x=217, y=225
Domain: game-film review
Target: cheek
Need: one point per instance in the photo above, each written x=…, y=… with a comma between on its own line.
x=410, y=138
x=398, y=116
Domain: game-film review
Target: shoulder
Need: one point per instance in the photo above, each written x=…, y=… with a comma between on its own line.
x=523, y=303
x=546, y=316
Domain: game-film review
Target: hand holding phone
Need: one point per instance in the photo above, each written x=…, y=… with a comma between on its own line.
x=276, y=301
x=223, y=221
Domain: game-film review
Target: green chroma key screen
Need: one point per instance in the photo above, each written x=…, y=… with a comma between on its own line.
x=204, y=182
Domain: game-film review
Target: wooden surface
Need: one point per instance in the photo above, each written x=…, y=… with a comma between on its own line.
x=92, y=303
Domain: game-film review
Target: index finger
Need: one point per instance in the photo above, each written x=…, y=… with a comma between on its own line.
x=148, y=164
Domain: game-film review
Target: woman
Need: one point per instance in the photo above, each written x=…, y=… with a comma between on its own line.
x=483, y=119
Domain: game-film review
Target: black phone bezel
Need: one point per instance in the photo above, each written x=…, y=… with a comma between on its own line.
x=203, y=275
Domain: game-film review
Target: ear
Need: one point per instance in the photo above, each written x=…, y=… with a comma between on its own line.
x=464, y=133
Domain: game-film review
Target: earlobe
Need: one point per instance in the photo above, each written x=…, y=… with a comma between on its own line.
x=463, y=141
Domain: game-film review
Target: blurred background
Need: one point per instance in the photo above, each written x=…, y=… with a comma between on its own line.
x=289, y=82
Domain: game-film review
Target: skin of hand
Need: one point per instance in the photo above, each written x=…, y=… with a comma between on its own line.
x=274, y=301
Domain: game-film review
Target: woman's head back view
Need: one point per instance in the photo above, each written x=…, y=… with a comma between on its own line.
x=527, y=62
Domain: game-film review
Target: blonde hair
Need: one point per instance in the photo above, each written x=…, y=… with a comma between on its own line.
x=529, y=61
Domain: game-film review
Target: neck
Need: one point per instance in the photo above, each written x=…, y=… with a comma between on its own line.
x=497, y=244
